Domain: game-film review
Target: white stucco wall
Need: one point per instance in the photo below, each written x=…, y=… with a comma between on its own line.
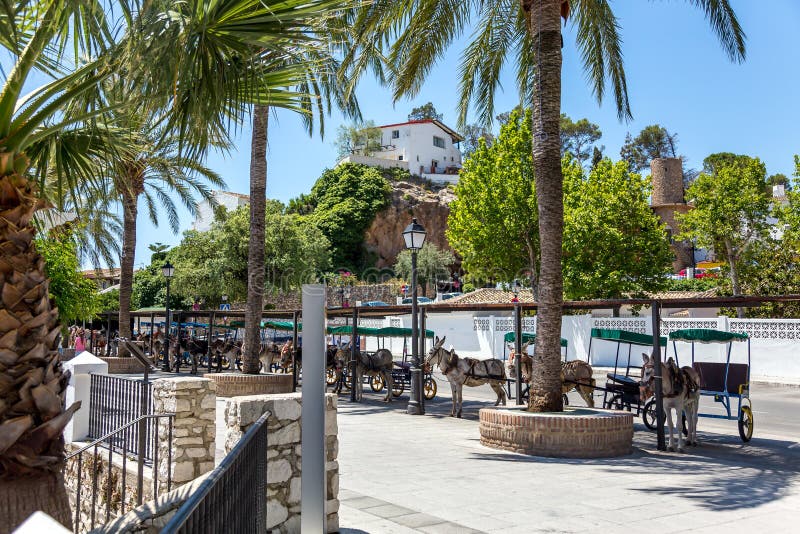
x=205, y=213
x=416, y=146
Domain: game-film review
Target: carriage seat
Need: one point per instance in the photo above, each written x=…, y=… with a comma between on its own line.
x=622, y=379
x=712, y=376
x=405, y=366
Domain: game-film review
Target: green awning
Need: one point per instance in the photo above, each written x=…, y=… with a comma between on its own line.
x=702, y=335
x=347, y=330
x=625, y=336
x=527, y=337
x=275, y=325
x=396, y=331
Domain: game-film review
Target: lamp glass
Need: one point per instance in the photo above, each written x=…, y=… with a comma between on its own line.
x=414, y=235
x=168, y=270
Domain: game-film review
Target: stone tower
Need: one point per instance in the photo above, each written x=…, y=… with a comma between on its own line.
x=667, y=200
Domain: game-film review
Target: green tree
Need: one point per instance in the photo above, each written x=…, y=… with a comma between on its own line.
x=347, y=198
x=578, y=138
x=778, y=179
x=653, y=142
x=427, y=111
x=614, y=245
x=473, y=135
x=529, y=34
x=493, y=220
x=108, y=301
x=363, y=139
x=730, y=211
x=433, y=264
x=73, y=294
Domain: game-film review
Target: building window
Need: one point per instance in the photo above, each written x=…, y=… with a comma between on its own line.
x=438, y=141
x=395, y=134
x=400, y=157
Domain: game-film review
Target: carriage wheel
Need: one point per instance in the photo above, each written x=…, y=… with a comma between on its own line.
x=746, y=423
x=226, y=364
x=376, y=383
x=330, y=376
x=203, y=361
x=649, y=415
x=429, y=388
x=398, y=386
x=564, y=399
x=615, y=403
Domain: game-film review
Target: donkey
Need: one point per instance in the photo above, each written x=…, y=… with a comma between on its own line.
x=575, y=374
x=379, y=363
x=471, y=372
x=680, y=388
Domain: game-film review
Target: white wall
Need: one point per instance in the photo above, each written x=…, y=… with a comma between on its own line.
x=205, y=213
x=415, y=144
x=775, y=343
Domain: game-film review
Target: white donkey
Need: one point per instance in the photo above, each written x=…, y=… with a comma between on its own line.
x=462, y=372
x=680, y=390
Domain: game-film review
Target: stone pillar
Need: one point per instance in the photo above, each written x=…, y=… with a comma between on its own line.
x=78, y=389
x=284, y=454
x=193, y=401
x=668, y=200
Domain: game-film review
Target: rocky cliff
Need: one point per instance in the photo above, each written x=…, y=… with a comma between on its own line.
x=429, y=204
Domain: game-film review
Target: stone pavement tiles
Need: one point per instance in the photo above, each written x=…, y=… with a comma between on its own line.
x=402, y=473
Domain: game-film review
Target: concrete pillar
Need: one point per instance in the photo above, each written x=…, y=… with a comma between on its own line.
x=78, y=389
x=193, y=400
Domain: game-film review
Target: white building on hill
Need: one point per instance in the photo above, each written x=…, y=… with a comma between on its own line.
x=427, y=148
x=205, y=213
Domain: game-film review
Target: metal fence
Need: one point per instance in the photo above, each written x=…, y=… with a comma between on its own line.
x=115, y=402
x=97, y=459
x=233, y=498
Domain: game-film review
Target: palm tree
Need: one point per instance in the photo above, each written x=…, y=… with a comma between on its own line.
x=528, y=33
x=152, y=168
x=165, y=59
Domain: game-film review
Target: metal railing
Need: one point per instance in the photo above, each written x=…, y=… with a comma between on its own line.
x=234, y=496
x=121, y=441
x=114, y=402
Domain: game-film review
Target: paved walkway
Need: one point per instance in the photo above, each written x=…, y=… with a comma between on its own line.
x=403, y=474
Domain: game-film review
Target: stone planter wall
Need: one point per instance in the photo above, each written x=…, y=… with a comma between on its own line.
x=90, y=467
x=284, y=455
x=576, y=433
x=193, y=401
x=237, y=384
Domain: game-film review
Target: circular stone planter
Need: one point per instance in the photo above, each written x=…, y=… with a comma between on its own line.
x=237, y=384
x=574, y=433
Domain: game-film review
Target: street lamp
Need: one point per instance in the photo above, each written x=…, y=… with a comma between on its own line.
x=168, y=270
x=414, y=236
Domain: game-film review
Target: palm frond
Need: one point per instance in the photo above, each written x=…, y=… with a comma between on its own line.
x=725, y=24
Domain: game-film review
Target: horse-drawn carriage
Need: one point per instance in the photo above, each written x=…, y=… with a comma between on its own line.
x=722, y=380
x=528, y=338
x=622, y=391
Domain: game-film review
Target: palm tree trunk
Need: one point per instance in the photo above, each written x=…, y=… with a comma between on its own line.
x=255, y=252
x=32, y=415
x=544, y=23
x=130, y=210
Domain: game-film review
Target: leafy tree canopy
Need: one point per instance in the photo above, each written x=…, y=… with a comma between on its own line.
x=427, y=111
x=363, y=139
x=74, y=295
x=730, y=209
x=613, y=242
x=578, y=138
x=347, y=199
x=214, y=263
x=433, y=264
x=653, y=142
x=473, y=135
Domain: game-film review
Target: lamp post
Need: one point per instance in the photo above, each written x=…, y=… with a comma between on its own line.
x=414, y=236
x=168, y=271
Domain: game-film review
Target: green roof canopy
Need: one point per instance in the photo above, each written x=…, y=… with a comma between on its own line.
x=625, y=336
x=396, y=331
x=275, y=325
x=527, y=337
x=702, y=335
x=348, y=330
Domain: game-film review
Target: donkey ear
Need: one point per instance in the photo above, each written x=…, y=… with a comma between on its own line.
x=645, y=357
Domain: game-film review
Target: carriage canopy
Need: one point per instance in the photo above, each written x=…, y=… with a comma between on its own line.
x=527, y=337
x=702, y=335
x=625, y=336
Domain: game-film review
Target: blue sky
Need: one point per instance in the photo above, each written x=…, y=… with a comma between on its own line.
x=678, y=76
